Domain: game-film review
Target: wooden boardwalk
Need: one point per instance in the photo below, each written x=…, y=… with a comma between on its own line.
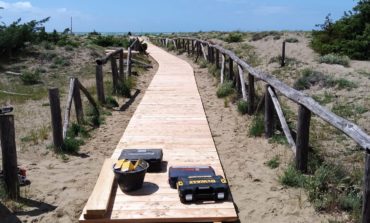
x=170, y=116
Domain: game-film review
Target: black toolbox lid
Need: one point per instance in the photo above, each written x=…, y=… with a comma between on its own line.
x=144, y=154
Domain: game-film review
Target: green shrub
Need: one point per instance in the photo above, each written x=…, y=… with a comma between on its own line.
x=71, y=145
x=31, y=77
x=110, y=40
x=93, y=116
x=111, y=102
x=124, y=87
x=261, y=35
x=342, y=83
x=257, y=127
x=242, y=107
x=334, y=59
x=60, y=61
x=76, y=130
x=309, y=78
x=274, y=162
x=347, y=36
x=292, y=177
x=234, y=37
x=291, y=40
x=225, y=89
x=13, y=38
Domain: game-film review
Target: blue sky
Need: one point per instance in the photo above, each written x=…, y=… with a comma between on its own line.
x=176, y=15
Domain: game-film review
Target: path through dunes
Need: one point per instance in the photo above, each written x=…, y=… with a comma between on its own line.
x=170, y=116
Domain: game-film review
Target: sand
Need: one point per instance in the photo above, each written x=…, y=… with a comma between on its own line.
x=60, y=189
x=258, y=195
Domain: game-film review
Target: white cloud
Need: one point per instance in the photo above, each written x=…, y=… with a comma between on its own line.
x=16, y=6
x=61, y=10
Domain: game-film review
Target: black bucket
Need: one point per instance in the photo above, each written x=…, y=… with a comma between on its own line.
x=131, y=180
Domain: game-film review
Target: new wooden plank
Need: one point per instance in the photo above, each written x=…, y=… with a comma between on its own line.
x=97, y=204
x=170, y=116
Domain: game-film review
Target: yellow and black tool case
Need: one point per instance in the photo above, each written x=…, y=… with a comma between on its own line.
x=194, y=189
x=151, y=156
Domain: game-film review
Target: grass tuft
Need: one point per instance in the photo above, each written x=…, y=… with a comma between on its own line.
x=242, y=107
x=274, y=162
x=257, y=126
x=335, y=59
x=225, y=89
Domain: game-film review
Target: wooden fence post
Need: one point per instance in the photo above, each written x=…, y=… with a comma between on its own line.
x=251, y=94
x=242, y=83
x=208, y=53
x=121, y=66
x=188, y=46
x=231, y=69
x=269, y=114
x=129, y=62
x=78, y=102
x=283, y=55
x=56, y=117
x=114, y=73
x=192, y=47
x=223, y=65
x=303, y=136
x=100, y=83
x=217, y=58
x=366, y=195
x=9, y=155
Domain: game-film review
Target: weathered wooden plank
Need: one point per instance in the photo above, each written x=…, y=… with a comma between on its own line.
x=78, y=104
x=104, y=60
x=283, y=122
x=67, y=112
x=223, y=65
x=269, y=114
x=242, y=83
x=100, y=83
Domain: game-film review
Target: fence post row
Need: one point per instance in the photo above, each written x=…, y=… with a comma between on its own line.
x=9, y=155
x=301, y=145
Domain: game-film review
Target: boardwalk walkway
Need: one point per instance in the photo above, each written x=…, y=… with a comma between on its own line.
x=170, y=116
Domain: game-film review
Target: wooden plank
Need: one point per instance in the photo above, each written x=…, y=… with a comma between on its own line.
x=170, y=116
x=98, y=202
x=303, y=135
x=283, y=122
x=223, y=65
x=366, y=195
x=56, y=117
x=269, y=114
x=242, y=83
x=67, y=112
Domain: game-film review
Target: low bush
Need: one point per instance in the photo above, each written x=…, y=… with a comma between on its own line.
x=111, y=102
x=261, y=35
x=292, y=40
x=124, y=87
x=115, y=41
x=225, y=89
x=234, y=37
x=334, y=59
x=257, y=127
x=274, y=162
x=242, y=107
x=31, y=77
x=292, y=177
x=309, y=78
x=71, y=145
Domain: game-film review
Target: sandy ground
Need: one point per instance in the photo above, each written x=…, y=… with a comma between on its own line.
x=59, y=188
x=258, y=195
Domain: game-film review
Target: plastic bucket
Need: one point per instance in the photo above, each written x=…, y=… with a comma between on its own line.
x=131, y=180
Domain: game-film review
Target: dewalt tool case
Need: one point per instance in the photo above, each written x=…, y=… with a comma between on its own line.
x=193, y=189
x=185, y=171
x=152, y=156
